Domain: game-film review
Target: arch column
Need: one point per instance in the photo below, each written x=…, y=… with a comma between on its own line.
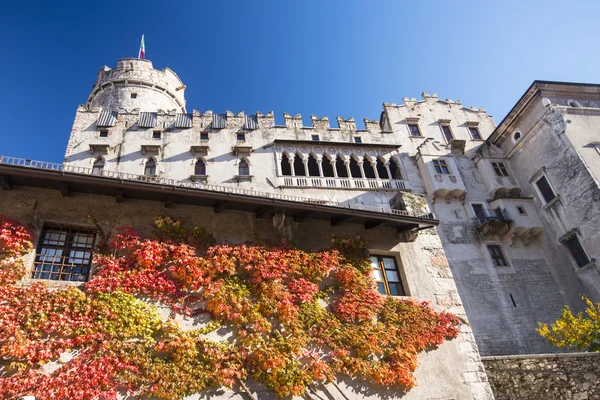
x=334, y=166
x=320, y=165
x=362, y=170
x=387, y=168
x=305, y=163
x=347, y=164
x=374, y=166
x=291, y=161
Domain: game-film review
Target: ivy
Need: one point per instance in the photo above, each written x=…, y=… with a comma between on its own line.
x=293, y=318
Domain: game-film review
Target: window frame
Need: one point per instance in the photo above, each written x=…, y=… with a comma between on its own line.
x=382, y=270
x=156, y=134
x=577, y=252
x=200, y=163
x=500, y=255
x=315, y=138
x=242, y=135
x=447, y=126
x=204, y=136
x=103, y=133
x=476, y=129
x=246, y=168
x=439, y=168
x=357, y=140
x=499, y=166
x=146, y=167
x=414, y=125
x=541, y=192
x=66, y=249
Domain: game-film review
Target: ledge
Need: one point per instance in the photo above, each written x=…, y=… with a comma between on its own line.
x=199, y=149
x=327, y=143
x=99, y=148
x=540, y=356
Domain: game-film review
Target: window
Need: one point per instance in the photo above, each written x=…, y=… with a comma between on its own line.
x=98, y=167
x=577, y=251
x=517, y=136
x=200, y=168
x=497, y=256
x=64, y=254
x=521, y=210
x=573, y=103
x=386, y=274
x=478, y=210
x=475, y=135
x=414, y=130
x=104, y=133
x=134, y=95
x=357, y=139
x=241, y=137
x=441, y=167
x=545, y=189
x=150, y=169
x=156, y=135
x=203, y=135
x=244, y=169
x=500, y=169
x=315, y=138
x=447, y=132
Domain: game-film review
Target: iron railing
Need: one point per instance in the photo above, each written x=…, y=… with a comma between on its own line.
x=486, y=215
x=72, y=169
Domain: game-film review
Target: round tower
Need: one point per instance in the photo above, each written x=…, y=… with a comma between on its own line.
x=134, y=83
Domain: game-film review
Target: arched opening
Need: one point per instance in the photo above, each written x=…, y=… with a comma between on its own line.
x=299, y=166
x=369, y=171
x=354, y=168
x=395, y=169
x=286, y=170
x=327, y=168
x=313, y=167
x=381, y=170
x=243, y=168
x=98, y=166
x=150, y=168
x=200, y=167
x=342, y=172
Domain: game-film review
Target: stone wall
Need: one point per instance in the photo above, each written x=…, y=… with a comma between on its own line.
x=574, y=376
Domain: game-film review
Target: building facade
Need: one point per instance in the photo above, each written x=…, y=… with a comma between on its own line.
x=495, y=220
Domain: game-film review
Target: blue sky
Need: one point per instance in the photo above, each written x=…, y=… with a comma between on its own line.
x=310, y=57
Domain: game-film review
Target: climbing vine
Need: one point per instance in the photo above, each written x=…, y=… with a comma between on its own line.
x=289, y=319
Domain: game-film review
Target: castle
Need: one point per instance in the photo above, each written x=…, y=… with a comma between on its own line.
x=497, y=224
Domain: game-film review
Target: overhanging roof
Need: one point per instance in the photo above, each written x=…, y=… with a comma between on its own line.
x=138, y=187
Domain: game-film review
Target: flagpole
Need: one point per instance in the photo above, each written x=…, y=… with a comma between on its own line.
x=142, y=51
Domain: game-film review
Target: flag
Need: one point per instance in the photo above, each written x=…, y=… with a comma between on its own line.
x=142, y=52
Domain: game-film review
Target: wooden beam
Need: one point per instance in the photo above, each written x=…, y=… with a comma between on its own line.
x=169, y=201
x=339, y=219
x=265, y=211
x=65, y=191
x=219, y=207
x=5, y=183
x=374, y=223
x=120, y=196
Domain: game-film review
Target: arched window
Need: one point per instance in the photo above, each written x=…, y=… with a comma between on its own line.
x=299, y=166
x=98, y=166
x=200, y=167
x=285, y=165
x=150, y=169
x=313, y=167
x=243, y=168
x=369, y=171
x=395, y=169
x=381, y=170
x=354, y=168
x=342, y=172
x=327, y=167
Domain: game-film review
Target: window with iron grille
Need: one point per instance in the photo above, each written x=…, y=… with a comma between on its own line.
x=386, y=274
x=475, y=135
x=441, y=167
x=497, y=256
x=500, y=169
x=545, y=189
x=447, y=132
x=414, y=130
x=64, y=254
x=577, y=251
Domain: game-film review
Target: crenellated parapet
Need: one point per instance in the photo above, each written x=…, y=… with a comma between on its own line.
x=346, y=124
x=294, y=122
x=320, y=123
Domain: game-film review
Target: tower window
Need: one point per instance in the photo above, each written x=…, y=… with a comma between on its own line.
x=64, y=254
x=203, y=135
x=414, y=130
x=243, y=168
x=577, y=251
x=98, y=167
x=545, y=189
x=200, y=168
x=517, y=136
x=156, y=135
x=447, y=132
x=497, y=256
x=134, y=95
x=241, y=137
x=315, y=138
x=385, y=272
x=150, y=168
x=475, y=135
x=441, y=167
x=357, y=139
x=500, y=169
x=104, y=133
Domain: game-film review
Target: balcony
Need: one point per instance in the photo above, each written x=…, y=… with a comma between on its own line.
x=526, y=225
x=318, y=182
x=492, y=222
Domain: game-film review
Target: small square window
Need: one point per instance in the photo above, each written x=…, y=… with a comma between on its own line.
x=577, y=251
x=447, y=132
x=545, y=189
x=134, y=95
x=241, y=137
x=315, y=138
x=441, y=167
x=203, y=135
x=521, y=210
x=475, y=135
x=104, y=133
x=497, y=256
x=414, y=130
x=357, y=139
x=156, y=135
x=387, y=276
x=500, y=169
